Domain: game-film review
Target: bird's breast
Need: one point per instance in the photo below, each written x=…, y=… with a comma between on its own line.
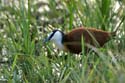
x=60, y=46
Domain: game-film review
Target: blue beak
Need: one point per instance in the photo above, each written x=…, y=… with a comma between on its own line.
x=45, y=40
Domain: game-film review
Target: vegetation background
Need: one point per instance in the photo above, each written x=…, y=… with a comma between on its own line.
x=25, y=23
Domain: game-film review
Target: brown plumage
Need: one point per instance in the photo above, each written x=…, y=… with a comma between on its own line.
x=72, y=41
x=94, y=37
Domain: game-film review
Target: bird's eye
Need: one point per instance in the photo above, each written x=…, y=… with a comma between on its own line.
x=51, y=35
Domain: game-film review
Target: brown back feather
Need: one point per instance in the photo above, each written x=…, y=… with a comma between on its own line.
x=72, y=40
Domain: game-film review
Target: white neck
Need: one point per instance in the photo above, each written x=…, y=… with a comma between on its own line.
x=59, y=45
x=57, y=40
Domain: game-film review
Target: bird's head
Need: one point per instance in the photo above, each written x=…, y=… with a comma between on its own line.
x=55, y=36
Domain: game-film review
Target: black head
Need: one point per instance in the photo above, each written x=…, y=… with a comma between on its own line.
x=55, y=35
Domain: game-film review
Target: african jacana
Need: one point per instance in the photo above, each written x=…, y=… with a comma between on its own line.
x=72, y=41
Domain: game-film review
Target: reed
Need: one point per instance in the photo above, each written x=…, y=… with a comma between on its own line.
x=24, y=58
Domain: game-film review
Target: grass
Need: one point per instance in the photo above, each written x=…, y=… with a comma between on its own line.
x=23, y=27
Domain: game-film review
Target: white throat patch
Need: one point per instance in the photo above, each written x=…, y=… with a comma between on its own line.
x=57, y=39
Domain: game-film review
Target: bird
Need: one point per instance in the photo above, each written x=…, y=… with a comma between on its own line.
x=71, y=41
